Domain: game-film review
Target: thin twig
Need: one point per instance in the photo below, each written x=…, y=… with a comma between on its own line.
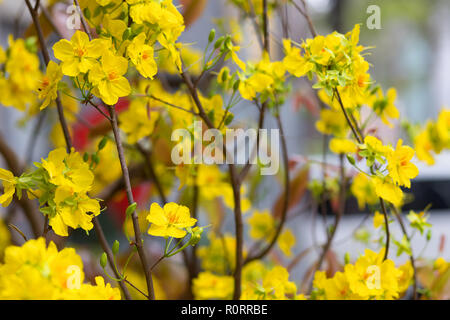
x=126, y=177
x=105, y=246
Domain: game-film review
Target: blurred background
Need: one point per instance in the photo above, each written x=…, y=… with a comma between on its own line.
x=410, y=52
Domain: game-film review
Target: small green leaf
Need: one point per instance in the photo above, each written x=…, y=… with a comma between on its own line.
x=351, y=159
x=131, y=208
x=102, y=143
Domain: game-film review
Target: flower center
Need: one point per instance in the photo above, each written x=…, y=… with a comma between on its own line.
x=172, y=217
x=112, y=75
x=80, y=52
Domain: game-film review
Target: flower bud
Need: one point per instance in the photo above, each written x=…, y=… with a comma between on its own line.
x=115, y=247
x=212, y=35
x=103, y=260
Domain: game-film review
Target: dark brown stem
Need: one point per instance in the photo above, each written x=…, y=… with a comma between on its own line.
x=136, y=288
x=236, y=186
x=104, y=243
x=386, y=223
x=126, y=177
x=358, y=136
x=83, y=21
x=266, y=27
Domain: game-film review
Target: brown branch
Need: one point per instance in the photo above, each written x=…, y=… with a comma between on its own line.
x=386, y=223
x=126, y=177
x=236, y=186
x=109, y=255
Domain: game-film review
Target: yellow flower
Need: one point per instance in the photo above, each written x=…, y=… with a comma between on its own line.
x=363, y=189
x=388, y=191
x=286, y=241
x=210, y=286
x=5, y=239
x=100, y=291
x=108, y=80
x=401, y=170
x=335, y=288
x=376, y=146
x=274, y=286
x=137, y=122
x=262, y=225
x=49, y=84
x=68, y=170
x=340, y=146
x=441, y=265
x=220, y=255
x=378, y=219
x=9, y=187
x=255, y=84
x=373, y=277
x=73, y=210
x=2, y=56
x=332, y=122
x=20, y=81
x=114, y=27
x=79, y=54
x=235, y=57
x=294, y=62
x=141, y=54
x=423, y=146
x=406, y=277
x=35, y=271
x=169, y=221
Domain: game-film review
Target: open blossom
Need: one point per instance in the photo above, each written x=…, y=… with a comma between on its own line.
x=108, y=80
x=72, y=179
x=370, y=277
x=294, y=62
x=401, y=170
x=48, y=90
x=73, y=210
x=37, y=271
x=170, y=221
x=141, y=54
x=68, y=170
x=363, y=189
x=79, y=54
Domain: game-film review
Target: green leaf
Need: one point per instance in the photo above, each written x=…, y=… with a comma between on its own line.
x=131, y=208
x=351, y=159
x=102, y=143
